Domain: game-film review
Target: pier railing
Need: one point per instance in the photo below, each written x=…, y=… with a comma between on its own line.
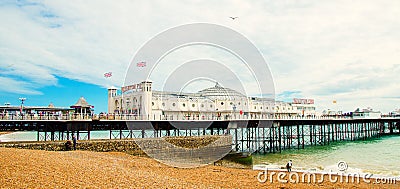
x=85, y=117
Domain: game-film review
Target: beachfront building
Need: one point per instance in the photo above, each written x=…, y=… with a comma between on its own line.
x=296, y=108
x=216, y=102
x=82, y=109
x=304, y=107
x=395, y=113
x=82, y=106
x=367, y=113
x=8, y=111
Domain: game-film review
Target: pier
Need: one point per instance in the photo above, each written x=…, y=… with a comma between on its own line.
x=248, y=135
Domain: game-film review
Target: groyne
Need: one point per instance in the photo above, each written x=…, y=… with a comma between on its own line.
x=129, y=146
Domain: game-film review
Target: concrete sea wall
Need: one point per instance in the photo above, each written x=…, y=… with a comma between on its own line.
x=129, y=146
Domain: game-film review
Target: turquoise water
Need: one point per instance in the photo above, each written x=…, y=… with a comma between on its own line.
x=379, y=156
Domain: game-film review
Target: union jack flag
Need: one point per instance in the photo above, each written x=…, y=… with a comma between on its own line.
x=141, y=64
x=108, y=74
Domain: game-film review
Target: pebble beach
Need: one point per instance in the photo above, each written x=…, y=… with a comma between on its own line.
x=22, y=168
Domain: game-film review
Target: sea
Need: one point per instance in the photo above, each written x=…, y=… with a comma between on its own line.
x=378, y=156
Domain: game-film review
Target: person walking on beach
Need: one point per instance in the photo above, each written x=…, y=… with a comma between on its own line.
x=289, y=166
x=74, y=140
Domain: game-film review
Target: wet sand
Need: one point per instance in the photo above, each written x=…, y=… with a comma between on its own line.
x=20, y=168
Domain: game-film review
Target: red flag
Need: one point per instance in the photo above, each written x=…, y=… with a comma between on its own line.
x=141, y=64
x=108, y=74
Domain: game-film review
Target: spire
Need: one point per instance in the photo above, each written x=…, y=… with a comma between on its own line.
x=81, y=103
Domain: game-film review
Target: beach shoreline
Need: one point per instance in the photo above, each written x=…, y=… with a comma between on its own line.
x=24, y=168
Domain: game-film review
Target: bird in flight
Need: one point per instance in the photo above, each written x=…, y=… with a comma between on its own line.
x=233, y=18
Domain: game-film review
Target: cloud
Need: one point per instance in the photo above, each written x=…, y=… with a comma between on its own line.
x=288, y=96
x=21, y=87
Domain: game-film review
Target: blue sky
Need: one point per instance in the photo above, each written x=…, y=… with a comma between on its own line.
x=57, y=51
x=64, y=94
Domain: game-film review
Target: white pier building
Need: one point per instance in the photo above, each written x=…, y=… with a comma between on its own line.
x=216, y=102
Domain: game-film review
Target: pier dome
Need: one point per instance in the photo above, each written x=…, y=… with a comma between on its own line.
x=221, y=93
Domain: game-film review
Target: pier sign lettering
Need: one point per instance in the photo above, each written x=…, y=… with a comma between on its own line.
x=303, y=101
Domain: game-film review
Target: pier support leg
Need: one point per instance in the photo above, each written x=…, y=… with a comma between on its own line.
x=280, y=139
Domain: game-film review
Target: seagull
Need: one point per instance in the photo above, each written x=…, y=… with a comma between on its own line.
x=233, y=18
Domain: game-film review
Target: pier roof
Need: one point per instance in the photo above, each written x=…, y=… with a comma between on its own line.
x=81, y=103
x=219, y=92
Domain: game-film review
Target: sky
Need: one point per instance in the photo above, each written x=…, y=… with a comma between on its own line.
x=57, y=51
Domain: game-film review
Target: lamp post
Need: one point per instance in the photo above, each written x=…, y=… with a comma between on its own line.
x=22, y=104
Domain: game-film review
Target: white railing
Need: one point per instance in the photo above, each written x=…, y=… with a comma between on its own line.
x=170, y=117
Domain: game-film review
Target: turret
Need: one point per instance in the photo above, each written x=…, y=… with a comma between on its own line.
x=146, y=99
x=112, y=92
